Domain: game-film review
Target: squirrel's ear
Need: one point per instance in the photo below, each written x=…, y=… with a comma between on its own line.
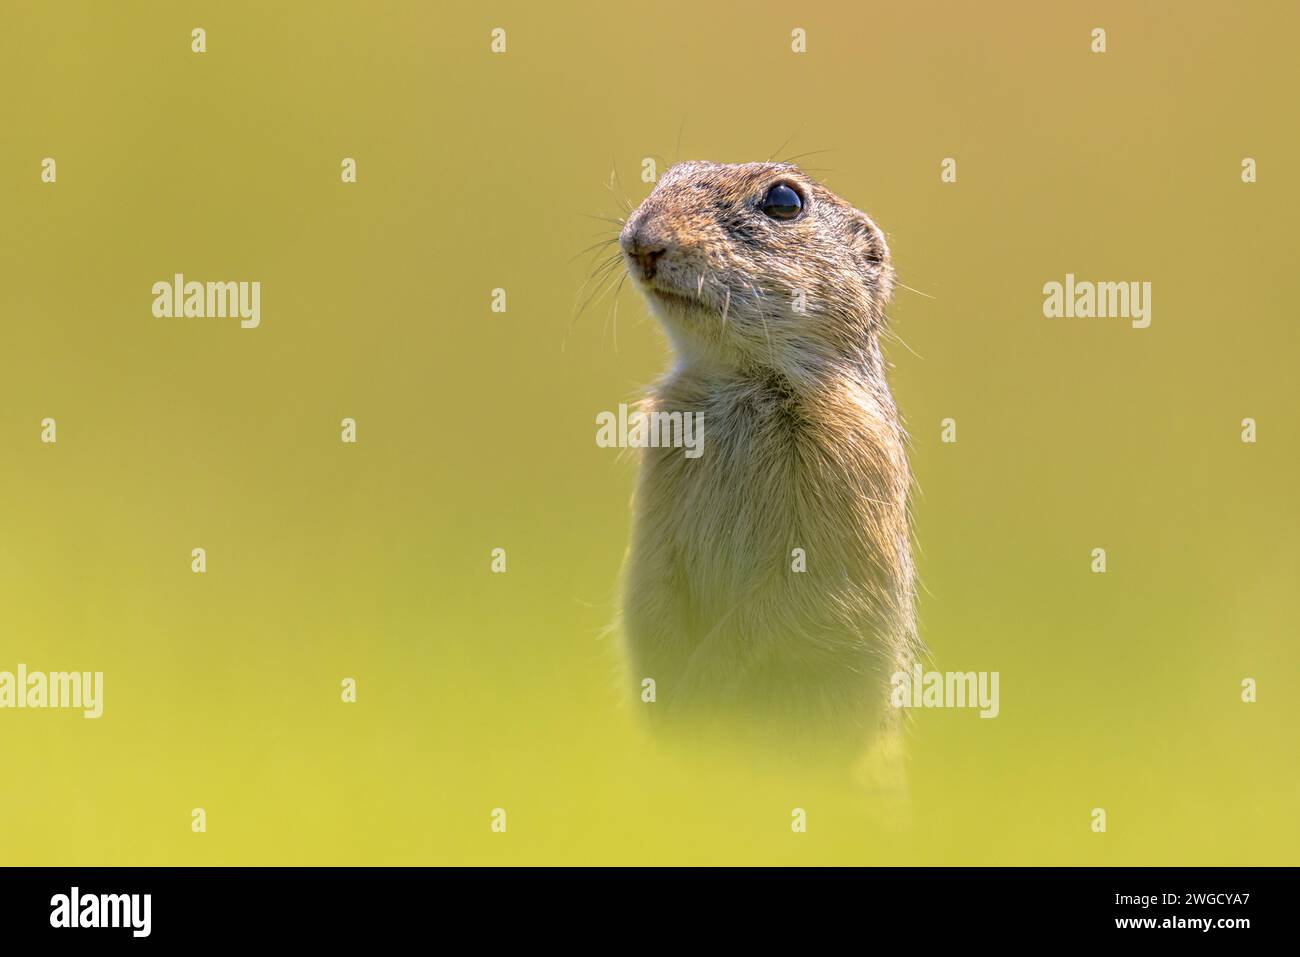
x=869, y=242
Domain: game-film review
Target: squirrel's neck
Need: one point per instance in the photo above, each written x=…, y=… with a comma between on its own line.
x=809, y=377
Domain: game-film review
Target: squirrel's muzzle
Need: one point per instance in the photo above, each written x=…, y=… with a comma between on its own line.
x=644, y=246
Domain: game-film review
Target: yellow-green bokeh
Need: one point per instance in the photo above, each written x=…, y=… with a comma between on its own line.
x=476, y=429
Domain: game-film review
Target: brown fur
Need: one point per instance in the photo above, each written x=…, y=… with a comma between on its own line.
x=802, y=449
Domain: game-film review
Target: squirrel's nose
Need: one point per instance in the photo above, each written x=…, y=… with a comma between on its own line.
x=647, y=259
x=645, y=248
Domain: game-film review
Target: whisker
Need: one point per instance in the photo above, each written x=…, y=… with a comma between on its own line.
x=809, y=153
x=904, y=285
x=617, y=289
x=891, y=334
x=603, y=265
x=594, y=246
x=606, y=324
x=603, y=271
x=599, y=276
x=621, y=195
x=777, y=152
x=767, y=332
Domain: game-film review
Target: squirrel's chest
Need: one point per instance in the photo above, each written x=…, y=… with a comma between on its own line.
x=772, y=477
x=734, y=512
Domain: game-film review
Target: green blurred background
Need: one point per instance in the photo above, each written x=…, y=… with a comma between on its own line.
x=476, y=429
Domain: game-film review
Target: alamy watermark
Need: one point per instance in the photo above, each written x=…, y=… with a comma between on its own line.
x=75, y=909
x=208, y=300
x=637, y=429
x=53, y=689
x=1102, y=300
x=946, y=689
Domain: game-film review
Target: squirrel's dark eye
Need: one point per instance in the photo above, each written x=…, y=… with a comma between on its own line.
x=782, y=202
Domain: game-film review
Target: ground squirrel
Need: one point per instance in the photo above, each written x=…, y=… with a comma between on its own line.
x=772, y=292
